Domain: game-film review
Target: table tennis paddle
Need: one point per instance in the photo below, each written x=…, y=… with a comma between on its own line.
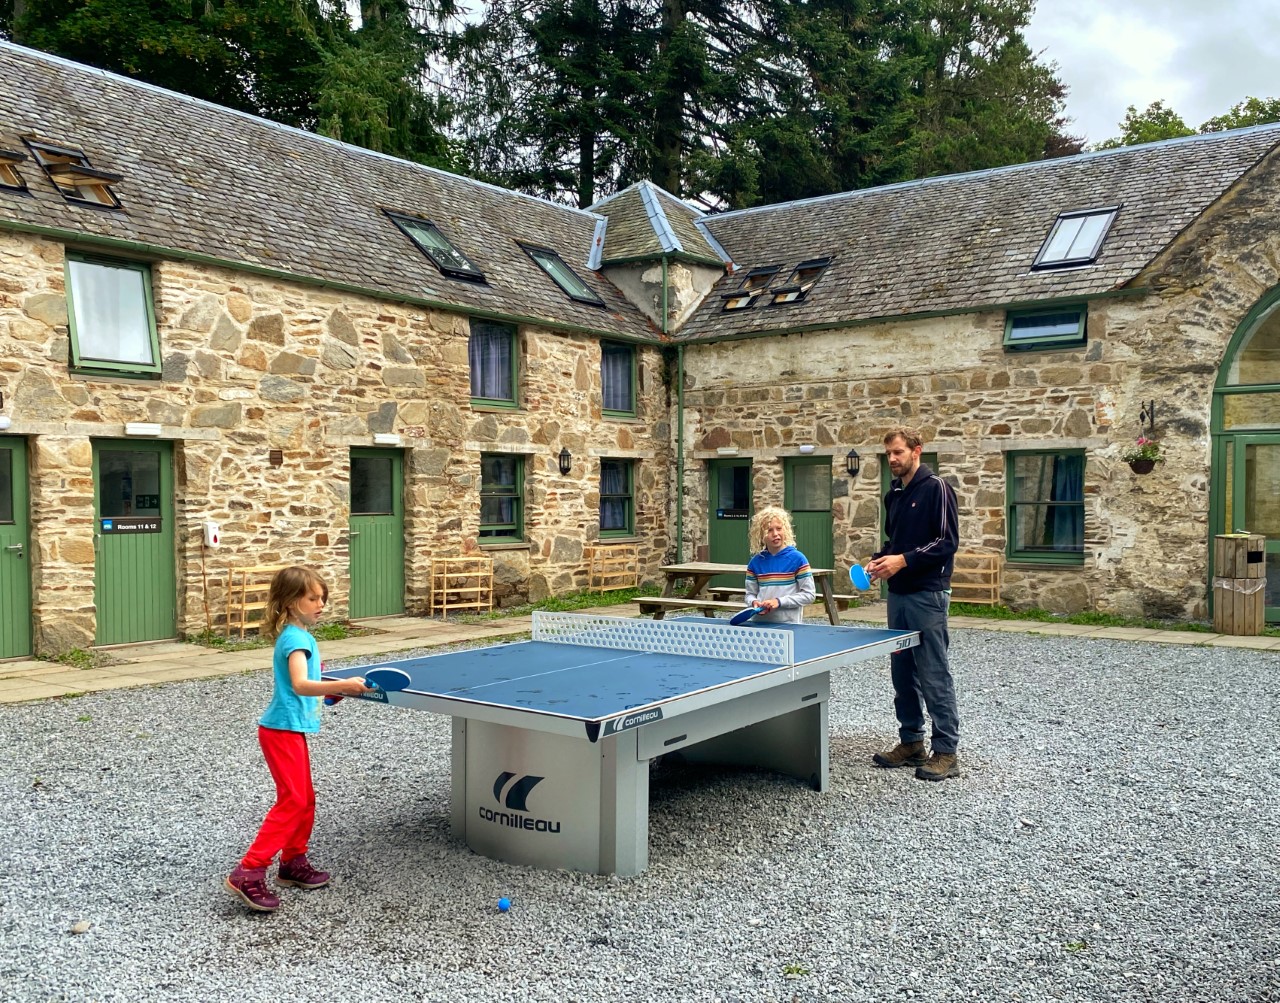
x=739, y=618
x=858, y=575
x=383, y=678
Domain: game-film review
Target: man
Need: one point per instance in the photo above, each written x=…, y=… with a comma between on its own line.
x=916, y=561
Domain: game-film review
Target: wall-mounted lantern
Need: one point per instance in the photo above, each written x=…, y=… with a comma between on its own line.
x=852, y=463
x=566, y=461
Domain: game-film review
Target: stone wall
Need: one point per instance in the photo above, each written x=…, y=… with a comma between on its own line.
x=255, y=364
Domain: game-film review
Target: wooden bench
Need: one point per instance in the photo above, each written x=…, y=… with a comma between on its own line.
x=658, y=606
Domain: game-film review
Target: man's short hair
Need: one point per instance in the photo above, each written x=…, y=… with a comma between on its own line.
x=907, y=434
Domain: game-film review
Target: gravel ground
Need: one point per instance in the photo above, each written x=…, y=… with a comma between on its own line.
x=1113, y=838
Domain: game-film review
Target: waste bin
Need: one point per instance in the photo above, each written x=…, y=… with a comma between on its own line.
x=1239, y=583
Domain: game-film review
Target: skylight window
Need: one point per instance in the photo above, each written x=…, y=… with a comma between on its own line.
x=1076, y=238
x=750, y=289
x=74, y=177
x=9, y=176
x=801, y=280
x=436, y=246
x=564, y=276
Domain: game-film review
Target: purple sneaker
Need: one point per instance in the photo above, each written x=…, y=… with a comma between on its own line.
x=249, y=884
x=300, y=873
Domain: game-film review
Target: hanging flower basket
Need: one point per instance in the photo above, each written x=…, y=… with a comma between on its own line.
x=1143, y=456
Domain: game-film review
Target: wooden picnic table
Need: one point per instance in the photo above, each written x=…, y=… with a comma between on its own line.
x=700, y=573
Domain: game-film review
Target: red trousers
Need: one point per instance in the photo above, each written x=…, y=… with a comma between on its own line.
x=287, y=827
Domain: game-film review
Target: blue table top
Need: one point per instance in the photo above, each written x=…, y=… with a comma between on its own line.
x=591, y=684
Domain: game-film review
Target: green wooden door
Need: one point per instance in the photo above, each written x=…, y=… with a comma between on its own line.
x=15, y=566
x=135, y=573
x=377, y=532
x=1253, y=502
x=808, y=499
x=729, y=517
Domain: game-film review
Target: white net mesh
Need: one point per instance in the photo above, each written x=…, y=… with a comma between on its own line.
x=676, y=637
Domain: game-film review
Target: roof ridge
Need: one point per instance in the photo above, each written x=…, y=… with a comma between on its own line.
x=1005, y=169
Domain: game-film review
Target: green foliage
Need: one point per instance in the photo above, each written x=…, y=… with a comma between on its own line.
x=336, y=630
x=78, y=658
x=1089, y=618
x=1155, y=123
x=1142, y=449
x=1250, y=111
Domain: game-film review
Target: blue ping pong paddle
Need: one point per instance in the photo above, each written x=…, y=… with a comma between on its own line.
x=738, y=619
x=858, y=575
x=383, y=678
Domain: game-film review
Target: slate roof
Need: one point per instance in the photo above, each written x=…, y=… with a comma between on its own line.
x=647, y=222
x=968, y=241
x=203, y=179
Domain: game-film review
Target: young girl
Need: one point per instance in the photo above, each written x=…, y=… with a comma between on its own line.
x=294, y=604
x=778, y=577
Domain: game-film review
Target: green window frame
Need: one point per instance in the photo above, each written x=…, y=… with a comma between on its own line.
x=437, y=247
x=1059, y=327
x=111, y=315
x=562, y=275
x=618, y=379
x=493, y=357
x=1044, y=511
x=617, y=498
x=501, y=498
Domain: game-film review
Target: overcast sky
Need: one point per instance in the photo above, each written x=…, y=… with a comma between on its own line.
x=1199, y=56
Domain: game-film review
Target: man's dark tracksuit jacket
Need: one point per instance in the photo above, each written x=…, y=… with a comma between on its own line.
x=921, y=520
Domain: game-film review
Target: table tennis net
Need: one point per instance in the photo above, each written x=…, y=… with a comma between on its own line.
x=674, y=637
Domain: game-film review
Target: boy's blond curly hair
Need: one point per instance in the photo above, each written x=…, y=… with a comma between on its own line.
x=761, y=520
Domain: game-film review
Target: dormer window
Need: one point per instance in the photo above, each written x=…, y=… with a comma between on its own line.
x=74, y=177
x=750, y=289
x=9, y=176
x=563, y=276
x=436, y=246
x=1076, y=238
x=801, y=280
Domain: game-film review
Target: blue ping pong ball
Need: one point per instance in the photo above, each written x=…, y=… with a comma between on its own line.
x=504, y=905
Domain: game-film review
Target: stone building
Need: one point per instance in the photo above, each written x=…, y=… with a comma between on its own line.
x=364, y=364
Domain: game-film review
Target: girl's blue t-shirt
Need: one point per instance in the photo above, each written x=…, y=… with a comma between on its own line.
x=288, y=711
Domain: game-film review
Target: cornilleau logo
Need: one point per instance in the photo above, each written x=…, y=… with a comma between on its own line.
x=632, y=721
x=515, y=796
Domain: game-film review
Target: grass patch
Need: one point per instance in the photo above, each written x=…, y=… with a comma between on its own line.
x=78, y=658
x=562, y=604
x=1088, y=618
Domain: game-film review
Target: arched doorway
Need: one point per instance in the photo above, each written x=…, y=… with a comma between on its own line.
x=1246, y=439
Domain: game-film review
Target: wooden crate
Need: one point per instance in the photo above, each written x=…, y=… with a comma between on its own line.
x=247, y=590
x=1239, y=584
x=612, y=566
x=461, y=585
x=976, y=578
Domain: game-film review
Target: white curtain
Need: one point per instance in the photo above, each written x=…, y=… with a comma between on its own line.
x=489, y=352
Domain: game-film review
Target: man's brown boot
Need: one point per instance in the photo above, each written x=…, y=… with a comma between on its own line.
x=940, y=766
x=902, y=754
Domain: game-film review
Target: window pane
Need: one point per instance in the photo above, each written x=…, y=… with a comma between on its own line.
x=616, y=377
x=6, y=485
x=1045, y=325
x=434, y=243
x=497, y=472
x=1046, y=511
x=110, y=306
x=1242, y=411
x=371, y=478
x=1063, y=236
x=490, y=351
x=1257, y=360
x=565, y=277
x=615, y=495
x=733, y=489
x=1091, y=230
x=1262, y=489
x=129, y=482
x=811, y=488
x=501, y=503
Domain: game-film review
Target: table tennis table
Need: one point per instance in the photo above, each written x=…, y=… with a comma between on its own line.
x=552, y=737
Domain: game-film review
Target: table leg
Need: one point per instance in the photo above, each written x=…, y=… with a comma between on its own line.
x=829, y=601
